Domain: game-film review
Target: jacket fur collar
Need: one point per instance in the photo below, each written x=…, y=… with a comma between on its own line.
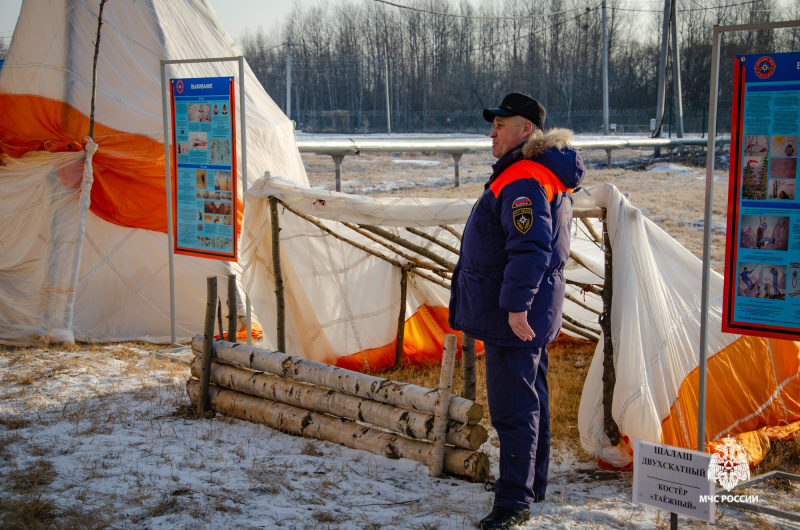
x=558, y=138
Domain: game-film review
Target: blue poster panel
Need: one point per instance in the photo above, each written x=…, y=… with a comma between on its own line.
x=762, y=255
x=205, y=222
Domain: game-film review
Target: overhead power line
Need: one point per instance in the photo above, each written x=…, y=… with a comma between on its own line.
x=515, y=17
x=717, y=8
x=539, y=31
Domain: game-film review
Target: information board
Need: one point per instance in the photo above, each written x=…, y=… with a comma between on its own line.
x=762, y=259
x=204, y=169
x=673, y=479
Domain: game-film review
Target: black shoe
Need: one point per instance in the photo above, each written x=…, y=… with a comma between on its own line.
x=504, y=518
x=538, y=498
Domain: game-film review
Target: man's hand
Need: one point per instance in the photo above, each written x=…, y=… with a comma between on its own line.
x=519, y=325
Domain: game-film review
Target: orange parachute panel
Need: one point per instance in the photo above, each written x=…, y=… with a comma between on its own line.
x=129, y=180
x=752, y=383
x=423, y=342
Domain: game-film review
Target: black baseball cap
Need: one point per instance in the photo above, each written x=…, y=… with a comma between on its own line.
x=516, y=104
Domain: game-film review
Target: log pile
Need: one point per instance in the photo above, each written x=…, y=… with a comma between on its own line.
x=308, y=398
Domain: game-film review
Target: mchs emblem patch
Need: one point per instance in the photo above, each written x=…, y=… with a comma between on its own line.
x=523, y=219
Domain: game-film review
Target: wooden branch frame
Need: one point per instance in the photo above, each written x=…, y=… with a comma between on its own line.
x=432, y=239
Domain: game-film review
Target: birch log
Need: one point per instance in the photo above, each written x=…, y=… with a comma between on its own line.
x=460, y=462
x=440, y=419
x=411, y=423
x=347, y=381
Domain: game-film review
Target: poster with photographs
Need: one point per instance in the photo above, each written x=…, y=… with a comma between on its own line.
x=204, y=167
x=761, y=295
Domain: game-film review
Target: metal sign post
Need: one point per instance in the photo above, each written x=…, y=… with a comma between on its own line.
x=167, y=150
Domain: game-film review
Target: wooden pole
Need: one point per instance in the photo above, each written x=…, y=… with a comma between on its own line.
x=609, y=376
x=355, y=383
x=452, y=231
x=442, y=403
x=467, y=367
x=473, y=465
x=578, y=324
x=208, y=344
x=232, y=312
x=578, y=302
x=432, y=239
x=276, y=268
x=588, y=287
x=94, y=70
x=366, y=249
x=580, y=262
x=579, y=331
x=591, y=230
x=410, y=423
x=401, y=319
x=449, y=265
x=416, y=261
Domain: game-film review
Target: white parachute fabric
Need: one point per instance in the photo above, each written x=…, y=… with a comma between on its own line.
x=340, y=300
x=42, y=210
x=655, y=327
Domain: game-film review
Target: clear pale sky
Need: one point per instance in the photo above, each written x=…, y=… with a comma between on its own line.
x=235, y=15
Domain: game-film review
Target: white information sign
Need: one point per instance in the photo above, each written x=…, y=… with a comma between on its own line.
x=673, y=479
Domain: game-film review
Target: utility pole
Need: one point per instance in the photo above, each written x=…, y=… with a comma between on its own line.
x=662, y=74
x=289, y=78
x=386, y=71
x=605, y=71
x=676, y=73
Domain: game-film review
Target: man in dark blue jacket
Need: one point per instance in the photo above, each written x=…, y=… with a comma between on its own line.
x=508, y=290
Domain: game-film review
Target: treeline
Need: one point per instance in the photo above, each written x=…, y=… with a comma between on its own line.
x=443, y=69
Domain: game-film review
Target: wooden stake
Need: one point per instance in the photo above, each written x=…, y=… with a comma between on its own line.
x=472, y=465
x=467, y=367
x=232, y=312
x=280, y=320
x=410, y=423
x=208, y=344
x=609, y=376
x=355, y=383
x=401, y=319
x=442, y=402
x=219, y=318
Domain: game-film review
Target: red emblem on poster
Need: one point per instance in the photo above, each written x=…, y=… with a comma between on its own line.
x=765, y=67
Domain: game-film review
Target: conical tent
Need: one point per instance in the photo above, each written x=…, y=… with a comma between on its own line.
x=121, y=288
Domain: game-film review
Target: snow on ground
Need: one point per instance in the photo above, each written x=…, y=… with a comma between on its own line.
x=111, y=427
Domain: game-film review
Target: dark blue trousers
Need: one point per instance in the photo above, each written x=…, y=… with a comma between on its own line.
x=516, y=384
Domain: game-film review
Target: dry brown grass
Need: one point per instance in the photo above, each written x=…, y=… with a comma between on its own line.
x=783, y=455
x=25, y=507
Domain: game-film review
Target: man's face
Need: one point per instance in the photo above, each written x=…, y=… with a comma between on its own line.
x=507, y=133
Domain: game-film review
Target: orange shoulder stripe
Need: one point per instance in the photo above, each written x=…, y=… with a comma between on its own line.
x=525, y=169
